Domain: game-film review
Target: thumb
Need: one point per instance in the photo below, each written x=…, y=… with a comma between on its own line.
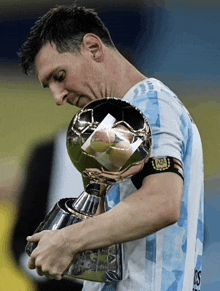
x=35, y=237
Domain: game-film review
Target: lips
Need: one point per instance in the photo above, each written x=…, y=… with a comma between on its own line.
x=74, y=101
x=81, y=101
x=77, y=102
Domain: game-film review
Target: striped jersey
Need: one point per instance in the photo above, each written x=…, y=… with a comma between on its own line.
x=170, y=259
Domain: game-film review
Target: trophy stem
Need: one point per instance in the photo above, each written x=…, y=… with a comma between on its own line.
x=89, y=201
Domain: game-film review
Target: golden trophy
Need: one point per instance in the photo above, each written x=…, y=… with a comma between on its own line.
x=108, y=141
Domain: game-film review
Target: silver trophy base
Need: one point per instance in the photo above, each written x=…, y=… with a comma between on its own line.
x=100, y=265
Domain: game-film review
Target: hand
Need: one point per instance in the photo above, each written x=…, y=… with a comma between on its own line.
x=53, y=256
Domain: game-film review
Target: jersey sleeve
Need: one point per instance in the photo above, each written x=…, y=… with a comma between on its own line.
x=168, y=118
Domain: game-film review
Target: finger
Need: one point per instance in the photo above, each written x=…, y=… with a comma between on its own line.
x=31, y=263
x=39, y=271
x=35, y=237
x=58, y=277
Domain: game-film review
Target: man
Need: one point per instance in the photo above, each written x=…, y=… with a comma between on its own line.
x=158, y=214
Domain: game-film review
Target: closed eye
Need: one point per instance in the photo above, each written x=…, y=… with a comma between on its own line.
x=60, y=77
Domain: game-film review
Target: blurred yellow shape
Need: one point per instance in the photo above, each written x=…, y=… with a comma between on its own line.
x=11, y=278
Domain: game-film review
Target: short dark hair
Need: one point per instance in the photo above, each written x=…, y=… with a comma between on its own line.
x=65, y=26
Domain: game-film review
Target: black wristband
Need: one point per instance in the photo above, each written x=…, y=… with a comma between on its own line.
x=156, y=166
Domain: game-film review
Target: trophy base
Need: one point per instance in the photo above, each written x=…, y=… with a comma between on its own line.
x=100, y=265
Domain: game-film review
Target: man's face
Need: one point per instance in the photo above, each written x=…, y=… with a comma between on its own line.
x=73, y=78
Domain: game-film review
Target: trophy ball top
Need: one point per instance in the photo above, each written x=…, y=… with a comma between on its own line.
x=108, y=140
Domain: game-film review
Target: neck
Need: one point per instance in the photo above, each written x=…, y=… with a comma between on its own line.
x=121, y=76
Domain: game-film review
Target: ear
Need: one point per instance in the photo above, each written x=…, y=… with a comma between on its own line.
x=93, y=44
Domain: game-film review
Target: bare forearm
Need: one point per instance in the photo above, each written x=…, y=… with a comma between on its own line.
x=154, y=206
x=137, y=216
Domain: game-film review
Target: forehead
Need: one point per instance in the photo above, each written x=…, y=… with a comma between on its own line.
x=47, y=52
x=49, y=59
x=46, y=59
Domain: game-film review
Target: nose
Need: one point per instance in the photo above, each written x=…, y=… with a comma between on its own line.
x=59, y=94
